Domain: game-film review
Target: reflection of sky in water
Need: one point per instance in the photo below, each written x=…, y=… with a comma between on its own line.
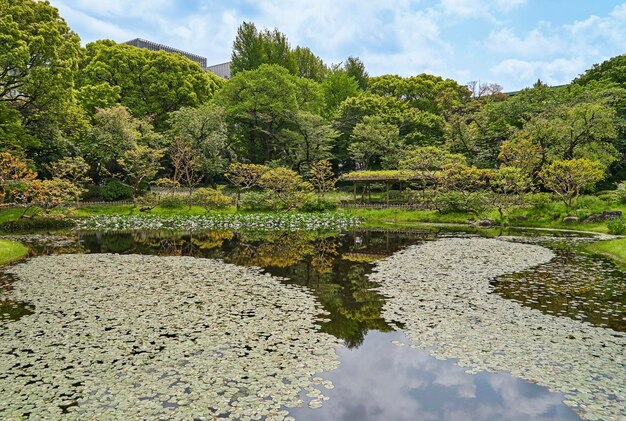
x=380, y=381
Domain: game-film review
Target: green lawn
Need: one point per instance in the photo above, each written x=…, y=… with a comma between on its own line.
x=10, y=251
x=615, y=249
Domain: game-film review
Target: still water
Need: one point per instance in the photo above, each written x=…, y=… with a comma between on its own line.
x=377, y=379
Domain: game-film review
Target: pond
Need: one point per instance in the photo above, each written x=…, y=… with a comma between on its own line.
x=378, y=353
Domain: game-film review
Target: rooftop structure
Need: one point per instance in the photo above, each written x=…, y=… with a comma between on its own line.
x=221, y=70
x=155, y=46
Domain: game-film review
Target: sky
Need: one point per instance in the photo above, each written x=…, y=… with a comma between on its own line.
x=509, y=42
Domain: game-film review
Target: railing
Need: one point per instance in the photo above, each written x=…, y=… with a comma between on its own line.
x=359, y=205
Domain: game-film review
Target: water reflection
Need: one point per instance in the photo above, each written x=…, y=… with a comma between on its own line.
x=574, y=284
x=334, y=266
x=408, y=384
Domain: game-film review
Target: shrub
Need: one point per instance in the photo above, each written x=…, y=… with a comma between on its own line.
x=620, y=196
x=256, y=201
x=170, y=202
x=116, y=190
x=540, y=201
x=319, y=205
x=211, y=199
x=616, y=226
x=93, y=193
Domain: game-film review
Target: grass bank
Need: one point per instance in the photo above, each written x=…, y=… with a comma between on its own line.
x=614, y=249
x=11, y=251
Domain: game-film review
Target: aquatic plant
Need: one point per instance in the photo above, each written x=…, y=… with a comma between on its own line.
x=278, y=221
x=440, y=291
x=159, y=338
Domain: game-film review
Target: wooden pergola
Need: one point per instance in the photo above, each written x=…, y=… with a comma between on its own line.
x=388, y=177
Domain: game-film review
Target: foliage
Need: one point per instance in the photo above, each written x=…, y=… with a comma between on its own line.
x=355, y=68
x=14, y=175
x=171, y=202
x=187, y=166
x=115, y=190
x=114, y=131
x=151, y=83
x=204, y=131
x=337, y=87
x=39, y=56
x=141, y=165
x=571, y=177
x=374, y=140
x=319, y=204
x=256, y=201
x=49, y=194
x=616, y=226
x=211, y=199
x=322, y=177
x=244, y=177
x=309, y=65
x=289, y=190
x=252, y=48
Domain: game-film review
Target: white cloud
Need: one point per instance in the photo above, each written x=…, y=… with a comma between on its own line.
x=526, y=72
x=534, y=43
x=479, y=8
x=557, y=55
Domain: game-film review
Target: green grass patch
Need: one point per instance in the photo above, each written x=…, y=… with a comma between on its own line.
x=11, y=251
x=614, y=249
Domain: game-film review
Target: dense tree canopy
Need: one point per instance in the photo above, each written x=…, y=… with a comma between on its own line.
x=115, y=111
x=148, y=83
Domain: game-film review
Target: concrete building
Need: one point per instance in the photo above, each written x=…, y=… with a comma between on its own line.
x=222, y=70
x=155, y=46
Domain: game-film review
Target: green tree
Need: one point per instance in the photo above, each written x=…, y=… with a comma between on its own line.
x=568, y=178
x=252, y=48
x=114, y=132
x=259, y=105
x=39, y=55
x=289, y=190
x=205, y=130
x=141, y=165
x=309, y=65
x=151, y=83
x=337, y=87
x=244, y=177
x=248, y=50
x=311, y=139
x=74, y=170
x=355, y=68
x=375, y=141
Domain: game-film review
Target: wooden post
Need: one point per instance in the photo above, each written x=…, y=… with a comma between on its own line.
x=387, y=193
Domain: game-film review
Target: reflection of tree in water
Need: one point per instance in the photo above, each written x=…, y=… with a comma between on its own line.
x=333, y=266
x=274, y=250
x=572, y=285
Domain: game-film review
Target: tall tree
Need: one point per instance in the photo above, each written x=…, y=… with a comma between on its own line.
x=309, y=65
x=151, y=83
x=39, y=55
x=248, y=50
x=205, y=130
x=260, y=104
x=355, y=68
x=253, y=48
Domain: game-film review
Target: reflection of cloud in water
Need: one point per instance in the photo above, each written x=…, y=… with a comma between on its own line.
x=379, y=381
x=440, y=292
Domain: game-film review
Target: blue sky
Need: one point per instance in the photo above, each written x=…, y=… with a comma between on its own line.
x=510, y=42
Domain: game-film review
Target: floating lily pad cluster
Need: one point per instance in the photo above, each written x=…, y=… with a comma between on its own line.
x=440, y=291
x=573, y=285
x=146, y=337
x=276, y=221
